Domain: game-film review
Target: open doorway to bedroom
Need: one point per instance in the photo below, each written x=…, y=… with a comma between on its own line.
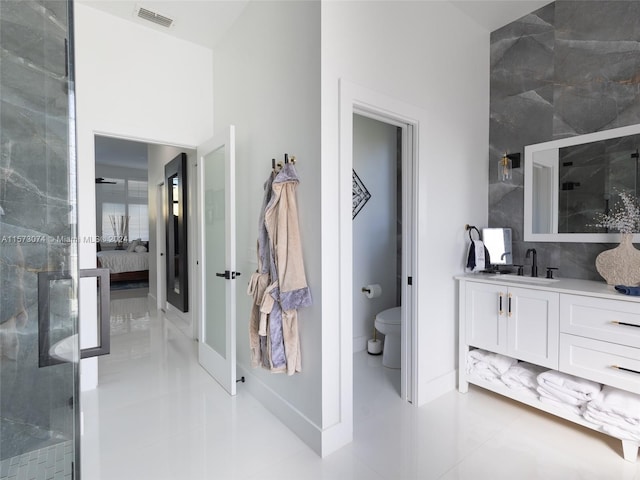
x=122, y=211
x=129, y=211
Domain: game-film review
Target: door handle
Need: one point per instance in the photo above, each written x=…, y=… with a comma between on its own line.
x=45, y=358
x=228, y=275
x=104, y=315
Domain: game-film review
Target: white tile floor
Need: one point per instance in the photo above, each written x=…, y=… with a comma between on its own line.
x=158, y=415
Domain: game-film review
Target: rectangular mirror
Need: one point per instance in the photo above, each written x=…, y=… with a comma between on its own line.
x=567, y=182
x=175, y=173
x=498, y=243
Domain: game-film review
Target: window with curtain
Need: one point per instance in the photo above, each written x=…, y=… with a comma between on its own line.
x=124, y=197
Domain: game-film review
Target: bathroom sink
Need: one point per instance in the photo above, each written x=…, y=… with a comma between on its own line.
x=523, y=279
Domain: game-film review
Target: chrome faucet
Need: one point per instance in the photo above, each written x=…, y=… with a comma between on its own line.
x=534, y=262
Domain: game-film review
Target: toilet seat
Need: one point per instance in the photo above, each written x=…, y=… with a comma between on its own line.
x=388, y=322
x=391, y=316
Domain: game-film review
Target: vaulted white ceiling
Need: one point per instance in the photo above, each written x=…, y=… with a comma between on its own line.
x=204, y=22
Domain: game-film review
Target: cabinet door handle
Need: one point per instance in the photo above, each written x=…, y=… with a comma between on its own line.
x=625, y=369
x=500, y=312
x=510, y=305
x=616, y=322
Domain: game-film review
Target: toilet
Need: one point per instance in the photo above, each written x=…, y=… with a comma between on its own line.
x=388, y=323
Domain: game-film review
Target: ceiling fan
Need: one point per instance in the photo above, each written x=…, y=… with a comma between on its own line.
x=102, y=181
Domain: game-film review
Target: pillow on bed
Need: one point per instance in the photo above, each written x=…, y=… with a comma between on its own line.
x=140, y=249
x=132, y=246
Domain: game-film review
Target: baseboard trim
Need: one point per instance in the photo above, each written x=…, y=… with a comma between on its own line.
x=336, y=437
x=295, y=420
x=437, y=387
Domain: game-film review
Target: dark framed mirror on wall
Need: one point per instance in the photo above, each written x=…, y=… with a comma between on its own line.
x=175, y=173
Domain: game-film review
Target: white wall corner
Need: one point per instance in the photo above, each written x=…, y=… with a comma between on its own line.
x=436, y=387
x=88, y=374
x=302, y=426
x=335, y=437
x=323, y=441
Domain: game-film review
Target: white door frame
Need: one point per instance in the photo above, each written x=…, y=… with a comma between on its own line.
x=360, y=100
x=193, y=231
x=161, y=268
x=222, y=367
x=407, y=168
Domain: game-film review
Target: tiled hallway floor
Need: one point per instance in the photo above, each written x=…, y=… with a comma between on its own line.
x=158, y=415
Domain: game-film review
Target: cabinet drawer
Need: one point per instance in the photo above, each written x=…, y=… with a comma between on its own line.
x=610, y=320
x=602, y=362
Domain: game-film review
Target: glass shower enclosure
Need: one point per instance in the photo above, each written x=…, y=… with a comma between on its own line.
x=39, y=351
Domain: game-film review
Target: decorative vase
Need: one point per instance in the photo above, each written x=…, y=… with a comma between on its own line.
x=620, y=265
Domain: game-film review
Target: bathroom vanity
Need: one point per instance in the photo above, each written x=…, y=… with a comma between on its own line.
x=579, y=327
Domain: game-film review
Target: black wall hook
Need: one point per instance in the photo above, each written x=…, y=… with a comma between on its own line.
x=469, y=228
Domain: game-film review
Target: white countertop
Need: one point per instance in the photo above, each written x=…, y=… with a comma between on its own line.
x=562, y=285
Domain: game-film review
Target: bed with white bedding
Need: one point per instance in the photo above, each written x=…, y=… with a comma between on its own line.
x=124, y=265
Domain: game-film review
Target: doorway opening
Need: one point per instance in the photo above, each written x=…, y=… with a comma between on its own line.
x=382, y=242
x=122, y=211
x=377, y=256
x=128, y=174
x=355, y=99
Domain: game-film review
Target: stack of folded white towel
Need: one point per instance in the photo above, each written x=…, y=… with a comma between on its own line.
x=616, y=412
x=503, y=370
x=566, y=391
x=487, y=365
x=523, y=377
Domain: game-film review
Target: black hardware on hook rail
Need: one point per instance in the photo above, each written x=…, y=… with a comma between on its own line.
x=275, y=167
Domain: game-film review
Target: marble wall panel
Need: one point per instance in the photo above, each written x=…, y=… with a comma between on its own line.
x=570, y=68
x=36, y=222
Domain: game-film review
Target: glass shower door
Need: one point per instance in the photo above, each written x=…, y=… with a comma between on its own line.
x=38, y=399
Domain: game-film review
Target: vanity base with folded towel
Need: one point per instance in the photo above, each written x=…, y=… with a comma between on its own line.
x=590, y=404
x=585, y=334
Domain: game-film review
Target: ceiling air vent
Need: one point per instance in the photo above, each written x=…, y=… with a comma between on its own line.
x=154, y=17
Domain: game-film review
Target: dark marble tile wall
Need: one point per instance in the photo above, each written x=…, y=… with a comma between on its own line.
x=37, y=224
x=570, y=68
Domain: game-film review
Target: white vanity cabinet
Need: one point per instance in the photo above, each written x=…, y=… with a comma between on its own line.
x=600, y=340
x=517, y=322
x=579, y=327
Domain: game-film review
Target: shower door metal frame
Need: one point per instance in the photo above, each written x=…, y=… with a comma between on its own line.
x=45, y=359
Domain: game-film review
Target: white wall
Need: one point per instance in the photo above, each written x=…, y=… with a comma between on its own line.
x=375, y=227
x=267, y=83
x=131, y=82
x=430, y=56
